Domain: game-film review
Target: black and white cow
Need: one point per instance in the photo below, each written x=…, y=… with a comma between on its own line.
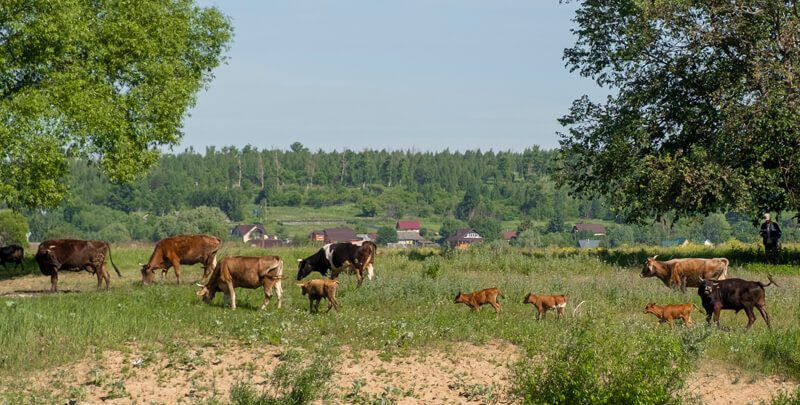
x=338, y=256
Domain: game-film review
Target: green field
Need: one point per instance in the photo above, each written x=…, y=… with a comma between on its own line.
x=607, y=350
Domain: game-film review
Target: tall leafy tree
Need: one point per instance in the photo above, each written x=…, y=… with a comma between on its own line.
x=106, y=81
x=704, y=111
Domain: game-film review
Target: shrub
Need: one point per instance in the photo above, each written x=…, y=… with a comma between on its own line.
x=13, y=228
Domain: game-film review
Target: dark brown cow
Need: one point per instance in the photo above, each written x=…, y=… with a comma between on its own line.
x=245, y=272
x=183, y=249
x=685, y=272
x=476, y=299
x=74, y=255
x=735, y=294
x=336, y=257
x=12, y=254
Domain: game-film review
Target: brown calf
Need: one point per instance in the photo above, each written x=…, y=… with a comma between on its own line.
x=317, y=289
x=182, y=249
x=476, y=299
x=245, y=272
x=666, y=313
x=543, y=303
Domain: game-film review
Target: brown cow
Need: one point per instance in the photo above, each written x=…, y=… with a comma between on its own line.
x=183, y=249
x=477, y=299
x=685, y=272
x=543, y=303
x=74, y=255
x=317, y=289
x=245, y=272
x=666, y=313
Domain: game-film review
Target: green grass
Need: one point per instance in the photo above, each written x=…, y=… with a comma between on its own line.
x=409, y=306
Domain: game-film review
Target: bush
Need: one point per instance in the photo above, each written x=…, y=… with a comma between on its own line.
x=592, y=367
x=13, y=228
x=386, y=234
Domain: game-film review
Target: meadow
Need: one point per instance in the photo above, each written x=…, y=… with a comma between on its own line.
x=608, y=351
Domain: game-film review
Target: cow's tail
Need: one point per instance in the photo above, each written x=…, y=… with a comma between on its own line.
x=771, y=282
x=724, y=274
x=698, y=308
x=112, y=261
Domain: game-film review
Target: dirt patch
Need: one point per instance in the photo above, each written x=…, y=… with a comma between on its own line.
x=721, y=385
x=34, y=293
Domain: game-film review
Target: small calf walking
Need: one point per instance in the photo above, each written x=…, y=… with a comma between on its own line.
x=666, y=313
x=318, y=289
x=478, y=298
x=543, y=303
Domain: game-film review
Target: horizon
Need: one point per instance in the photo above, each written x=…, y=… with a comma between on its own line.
x=356, y=75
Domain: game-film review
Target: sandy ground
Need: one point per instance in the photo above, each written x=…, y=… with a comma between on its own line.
x=460, y=374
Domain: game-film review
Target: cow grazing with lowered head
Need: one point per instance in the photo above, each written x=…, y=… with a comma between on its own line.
x=12, y=254
x=476, y=299
x=58, y=255
x=335, y=257
x=685, y=272
x=245, y=272
x=735, y=294
x=183, y=249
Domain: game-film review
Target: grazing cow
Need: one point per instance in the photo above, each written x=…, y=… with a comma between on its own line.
x=477, y=299
x=666, y=313
x=735, y=294
x=74, y=255
x=338, y=256
x=685, y=272
x=245, y=272
x=12, y=254
x=543, y=303
x=317, y=289
x=183, y=249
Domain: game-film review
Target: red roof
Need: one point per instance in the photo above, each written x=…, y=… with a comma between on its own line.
x=407, y=225
x=509, y=234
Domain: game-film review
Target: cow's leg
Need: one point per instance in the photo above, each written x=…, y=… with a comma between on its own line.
x=332, y=303
x=751, y=317
x=538, y=313
x=279, y=292
x=105, y=275
x=370, y=272
x=233, y=294
x=687, y=320
x=310, y=305
x=54, y=281
x=717, y=310
x=764, y=315
x=671, y=324
x=683, y=285
x=359, y=277
x=496, y=306
x=268, y=284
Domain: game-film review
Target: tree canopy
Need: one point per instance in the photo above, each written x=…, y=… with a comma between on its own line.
x=704, y=111
x=102, y=81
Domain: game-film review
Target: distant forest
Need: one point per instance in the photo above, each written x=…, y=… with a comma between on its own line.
x=193, y=191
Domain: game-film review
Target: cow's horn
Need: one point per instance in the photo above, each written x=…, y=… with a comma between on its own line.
x=140, y=264
x=299, y=260
x=654, y=257
x=199, y=285
x=202, y=292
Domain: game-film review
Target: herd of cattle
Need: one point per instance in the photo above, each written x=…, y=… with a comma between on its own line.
x=710, y=276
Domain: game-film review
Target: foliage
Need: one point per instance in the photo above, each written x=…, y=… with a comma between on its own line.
x=716, y=228
x=13, y=228
x=489, y=228
x=368, y=207
x=210, y=220
x=449, y=227
x=704, y=113
x=107, y=82
x=289, y=385
x=386, y=234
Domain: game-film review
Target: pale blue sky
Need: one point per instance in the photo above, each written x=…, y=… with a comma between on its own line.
x=418, y=74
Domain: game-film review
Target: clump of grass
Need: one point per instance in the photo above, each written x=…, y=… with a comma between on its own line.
x=289, y=384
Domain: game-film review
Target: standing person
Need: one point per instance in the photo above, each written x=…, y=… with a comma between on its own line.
x=771, y=234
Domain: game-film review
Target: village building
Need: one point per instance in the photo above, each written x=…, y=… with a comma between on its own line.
x=249, y=232
x=464, y=238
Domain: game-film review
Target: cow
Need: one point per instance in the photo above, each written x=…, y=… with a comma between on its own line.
x=666, y=313
x=735, y=294
x=317, y=289
x=477, y=299
x=12, y=254
x=338, y=256
x=74, y=255
x=183, y=249
x=245, y=272
x=543, y=303
x=685, y=272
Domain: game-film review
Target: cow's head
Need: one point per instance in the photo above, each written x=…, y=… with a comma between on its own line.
x=649, y=308
x=649, y=267
x=304, y=268
x=706, y=288
x=148, y=274
x=47, y=256
x=461, y=298
x=529, y=299
x=303, y=288
x=207, y=294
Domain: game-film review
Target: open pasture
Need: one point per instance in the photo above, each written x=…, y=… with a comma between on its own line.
x=134, y=342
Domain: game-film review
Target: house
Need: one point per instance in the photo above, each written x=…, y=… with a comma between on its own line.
x=595, y=229
x=463, y=238
x=316, y=236
x=339, y=235
x=509, y=234
x=270, y=242
x=407, y=226
x=589, y=243
x=372, y=237
x=249, y=232
x=409, y=238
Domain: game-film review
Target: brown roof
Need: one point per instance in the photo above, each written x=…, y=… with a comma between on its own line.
x=242, y=230
x=340, y=235
x=407, y=225
x=408, y=235
x=596, y=229
x=509, y=234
